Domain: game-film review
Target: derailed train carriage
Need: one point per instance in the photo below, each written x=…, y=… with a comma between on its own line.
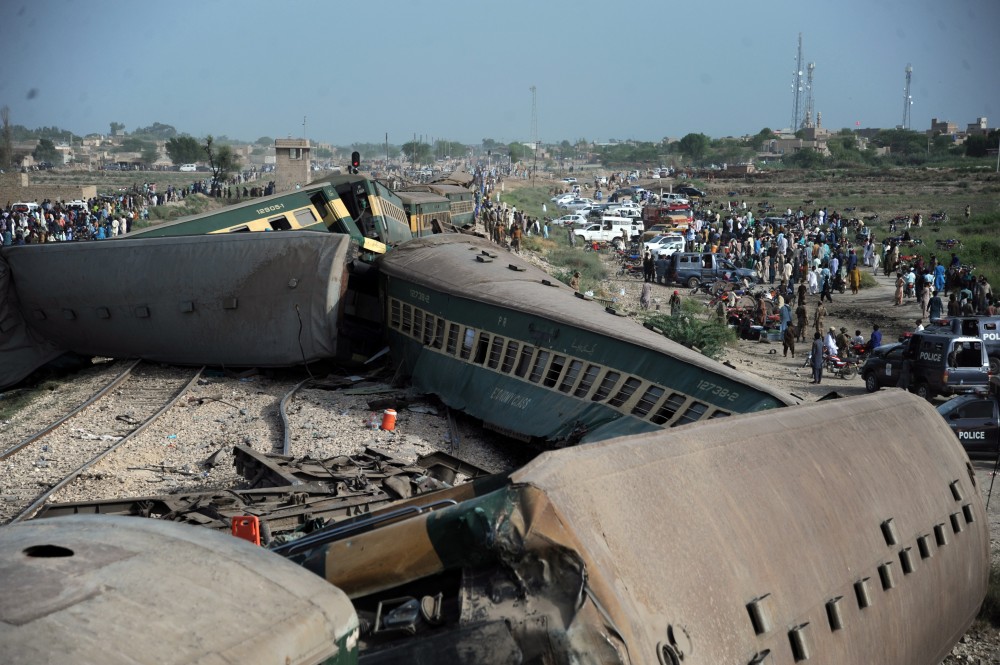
x=849, y=531
x=499, y=339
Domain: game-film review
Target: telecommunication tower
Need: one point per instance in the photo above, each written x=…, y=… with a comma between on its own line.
x=907, y=98
x=797, y=90
x=534, y=132
x=808, y=121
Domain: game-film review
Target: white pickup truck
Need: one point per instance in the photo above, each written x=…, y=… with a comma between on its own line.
x=610, y=229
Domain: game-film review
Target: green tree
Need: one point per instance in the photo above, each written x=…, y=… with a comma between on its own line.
x=46, y=151
x=221, y=159
x=694, y=146
x=183, y=150
x=518, y=152
x=805, y=158
x=417, y=152
x=264, y=141
x=322, y=153
x=761, y=137
x=150, y=154
x=157, y=130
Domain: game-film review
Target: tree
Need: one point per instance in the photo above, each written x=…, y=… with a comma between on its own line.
x=323, y=153
x=150, y=154
x=46, y=151
x=117, y=127
x=222, y=160
x=518, y=152
x=264, y=141
x=183, y=150
x=694, y=146
x=157, y=130
x=417, y=152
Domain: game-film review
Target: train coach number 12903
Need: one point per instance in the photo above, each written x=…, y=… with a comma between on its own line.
x=716, y=389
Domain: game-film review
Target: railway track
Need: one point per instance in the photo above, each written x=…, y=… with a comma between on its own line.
x=42, y=464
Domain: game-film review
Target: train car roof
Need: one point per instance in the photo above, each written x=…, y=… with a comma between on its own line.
x=448, y=262
x=786, y=507
x=126, y=590
x=456, y=177
x=411, y=197
x=441, y=188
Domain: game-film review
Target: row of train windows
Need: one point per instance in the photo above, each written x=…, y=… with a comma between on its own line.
x=303, y=217
x=459, y=207
x=568, y=375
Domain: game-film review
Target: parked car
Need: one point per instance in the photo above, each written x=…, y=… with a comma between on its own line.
x=690, y=192
x=576, y=204
x=563, y=198
x=569, y=180
x=694, y=268
x=665, y=244
x=975, y=420
x=569, y=220
x=188, y=168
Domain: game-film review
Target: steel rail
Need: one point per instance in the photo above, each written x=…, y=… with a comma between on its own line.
x=40, y=501
x=96, y=396
x=286, y=445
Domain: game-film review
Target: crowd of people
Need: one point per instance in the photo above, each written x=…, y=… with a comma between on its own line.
x=111, y=215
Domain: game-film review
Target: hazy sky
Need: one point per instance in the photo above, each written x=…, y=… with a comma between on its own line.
x=462, y=71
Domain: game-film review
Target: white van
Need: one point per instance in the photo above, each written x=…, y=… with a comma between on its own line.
x=188, y=167
x=25, y=207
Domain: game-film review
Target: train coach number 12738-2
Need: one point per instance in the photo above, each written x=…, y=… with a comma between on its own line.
x=716, y=389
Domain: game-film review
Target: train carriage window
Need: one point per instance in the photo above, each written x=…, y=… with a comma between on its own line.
x=439, y=333
x=525, y=360
x=608, y=384
x=428, y=328
x=240, y=229
x=668, y=409
x=418, y=322
x=571, y=376
x=496, y=352
x=552, y=376
x=510, y=357
x=452, y=338
x=693, y=414
x=482, y=348
x=407, y=319
x=719, y=414
x=394, y=314
x=648, y=399
x=470, y=337
x=538, y=369
x=305, y=217
x=279, y=223
x=587, y=381
x=631, y=385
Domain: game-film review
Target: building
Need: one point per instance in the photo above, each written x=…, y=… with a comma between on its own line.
x=292, y=163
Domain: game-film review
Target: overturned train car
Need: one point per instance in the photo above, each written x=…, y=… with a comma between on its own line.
x=500, y=339
x=849, y=531
x=238, y=300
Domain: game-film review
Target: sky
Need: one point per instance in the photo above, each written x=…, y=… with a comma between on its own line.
x=351, y=72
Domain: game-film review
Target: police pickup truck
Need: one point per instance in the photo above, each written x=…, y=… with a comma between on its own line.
x=986, y=328
x=975, y=419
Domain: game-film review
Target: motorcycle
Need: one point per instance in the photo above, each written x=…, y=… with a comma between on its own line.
x=845, y=368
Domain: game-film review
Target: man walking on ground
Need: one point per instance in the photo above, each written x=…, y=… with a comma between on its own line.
x=816, y=359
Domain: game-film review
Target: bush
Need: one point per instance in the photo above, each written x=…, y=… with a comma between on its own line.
x=708, y=337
